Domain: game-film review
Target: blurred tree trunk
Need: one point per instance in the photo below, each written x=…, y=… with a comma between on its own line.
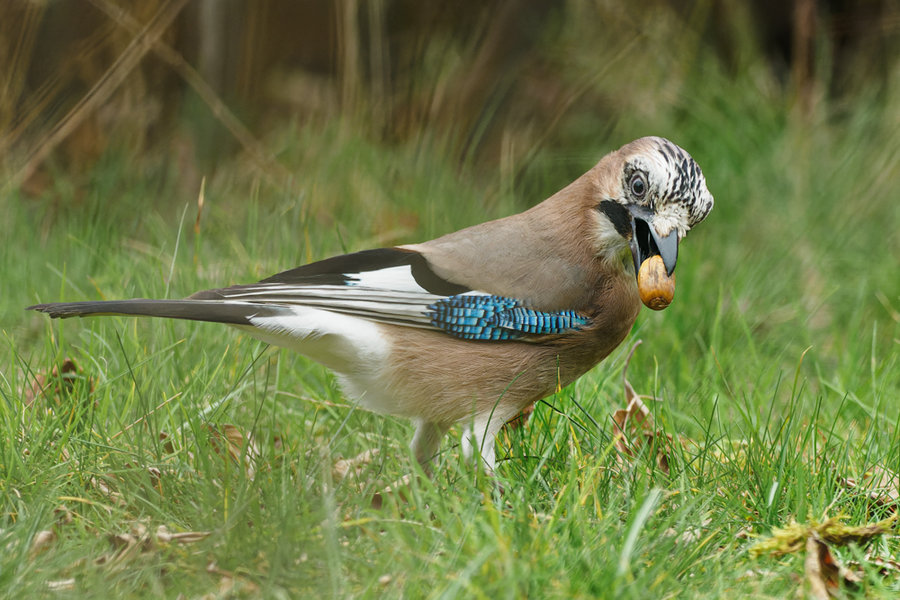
x=803, y=53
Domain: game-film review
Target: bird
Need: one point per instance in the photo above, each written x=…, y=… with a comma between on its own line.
x=474, y=326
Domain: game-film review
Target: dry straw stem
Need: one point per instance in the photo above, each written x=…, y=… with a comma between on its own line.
x=263, y=159
x=146, y=38
x=103, y=89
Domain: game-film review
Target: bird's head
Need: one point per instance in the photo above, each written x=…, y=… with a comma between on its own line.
x=651, y=193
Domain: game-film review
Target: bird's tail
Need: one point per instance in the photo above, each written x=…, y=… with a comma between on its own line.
x=214, y=311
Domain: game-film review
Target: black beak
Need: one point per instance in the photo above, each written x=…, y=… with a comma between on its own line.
x=645, y=242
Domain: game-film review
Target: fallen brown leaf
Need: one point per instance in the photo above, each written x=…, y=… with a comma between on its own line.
x=689, y=534
x=521, y=419
x=231, y=585
x=121, y=540
x=887, y=567
x=167, y=446
x=344, y=466
x=230, y=442
x=139, y=541
x=104, y=488
x=63, y=515
x=813, y=567
x=41, y=541
x=55, y=386
x=633, y=427
x=880, y=485
x=397, y=490
x=825, y=575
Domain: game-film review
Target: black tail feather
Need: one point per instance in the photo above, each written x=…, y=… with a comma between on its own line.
x=235, y=313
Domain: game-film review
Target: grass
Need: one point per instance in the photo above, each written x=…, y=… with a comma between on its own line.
x=777, y=364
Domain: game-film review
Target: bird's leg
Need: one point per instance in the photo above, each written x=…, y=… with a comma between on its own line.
x=425, y=444
x=480, y=445
x=480, y=437
x=427, y=441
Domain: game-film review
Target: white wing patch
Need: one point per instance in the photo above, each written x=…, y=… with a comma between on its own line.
x=398, y=278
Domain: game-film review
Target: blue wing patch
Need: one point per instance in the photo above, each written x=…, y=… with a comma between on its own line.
x=477, y=317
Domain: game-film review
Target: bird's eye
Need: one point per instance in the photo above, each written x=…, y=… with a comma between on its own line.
x=638, y=185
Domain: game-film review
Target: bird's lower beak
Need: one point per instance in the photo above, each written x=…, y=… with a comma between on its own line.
x=654, y=260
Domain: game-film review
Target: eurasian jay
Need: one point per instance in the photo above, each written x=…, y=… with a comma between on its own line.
x=475, y=325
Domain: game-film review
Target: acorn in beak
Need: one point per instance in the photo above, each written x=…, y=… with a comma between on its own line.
x=654, y=259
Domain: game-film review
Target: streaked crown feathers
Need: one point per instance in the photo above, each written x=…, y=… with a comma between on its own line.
x=677, y=188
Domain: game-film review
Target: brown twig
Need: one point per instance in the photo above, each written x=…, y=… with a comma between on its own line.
x=207, y=94
x=102, y=89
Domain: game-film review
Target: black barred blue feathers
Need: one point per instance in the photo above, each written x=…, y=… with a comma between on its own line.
x=496, y=318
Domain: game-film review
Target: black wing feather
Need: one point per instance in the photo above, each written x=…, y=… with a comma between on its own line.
x=339, y=270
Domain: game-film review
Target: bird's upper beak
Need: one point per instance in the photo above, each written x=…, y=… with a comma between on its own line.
x=646, y=242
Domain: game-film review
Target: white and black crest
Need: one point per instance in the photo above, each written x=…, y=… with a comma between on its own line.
x=685, y=184
x=677, y=191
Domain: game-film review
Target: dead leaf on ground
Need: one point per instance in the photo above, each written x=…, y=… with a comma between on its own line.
x=757, y=574
x=63, y=515
x=343, y=467
x=231, y=585
x=355, y=467
x=887, y=567
x=140, y=542
x=41, y=541
x=521, y=419
x=397, y=490
x=56, y=386
x=880, y=485
x=633, y=426
x=121, y=540
x=103, y=487
x=689, y=534
x=230, y=442
x=167, y=445
x=825, y=574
